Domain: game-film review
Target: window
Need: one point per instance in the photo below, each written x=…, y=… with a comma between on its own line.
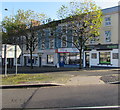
x=64, y=29
x=94, y=55
x=107, y=36
x=51, y=43
x=50, y=59
x=104, y=58
x=64, y=41
x=115, y=55
x=27, y=47
x=34, y=60
x=43, y=44
x=107, y=21
x=74, y=39
x=92, y=41
x=69, y=58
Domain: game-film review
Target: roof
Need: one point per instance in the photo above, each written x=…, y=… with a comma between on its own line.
x=111, y=10
x=105, y=11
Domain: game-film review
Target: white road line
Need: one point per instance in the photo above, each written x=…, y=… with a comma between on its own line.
x=114, y=106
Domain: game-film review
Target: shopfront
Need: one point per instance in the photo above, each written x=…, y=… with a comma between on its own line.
x=68, y=57
x=104, y=56
x=48, y=57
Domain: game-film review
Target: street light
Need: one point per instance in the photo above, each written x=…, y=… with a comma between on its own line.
x=15, y=52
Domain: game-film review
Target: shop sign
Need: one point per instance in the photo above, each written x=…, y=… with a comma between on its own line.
x=110, y=46
x=67, y=50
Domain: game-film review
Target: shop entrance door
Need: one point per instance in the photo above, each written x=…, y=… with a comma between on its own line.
x=87, y=59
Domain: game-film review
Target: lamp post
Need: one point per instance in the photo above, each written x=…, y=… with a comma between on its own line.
x=15, y=56
x=5, y=54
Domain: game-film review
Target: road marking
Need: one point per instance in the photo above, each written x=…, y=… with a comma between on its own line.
x=114, y=106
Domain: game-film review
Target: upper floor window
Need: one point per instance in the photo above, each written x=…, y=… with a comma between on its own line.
x=107, y=21
x=92, y=41
x=64, y=41
x=51, y=42
x=74, y=40
x=108, y=36
x=64, y=29
x=43, y=44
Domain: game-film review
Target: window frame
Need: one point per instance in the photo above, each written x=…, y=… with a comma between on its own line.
x=50, y=57
x=51, y=40
x=93, y=55
x=62, y=41
x=109, y=58
x=106, y=36
x=109, y=22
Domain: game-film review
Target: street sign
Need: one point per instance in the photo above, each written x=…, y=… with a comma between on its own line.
x=10, y=50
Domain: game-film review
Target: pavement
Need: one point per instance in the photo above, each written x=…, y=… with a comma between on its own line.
x=83, y=77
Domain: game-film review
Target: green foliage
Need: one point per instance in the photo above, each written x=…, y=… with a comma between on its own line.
x=85, y=19
x=16, y=25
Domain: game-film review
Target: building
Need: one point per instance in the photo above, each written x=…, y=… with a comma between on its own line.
x=105, y=53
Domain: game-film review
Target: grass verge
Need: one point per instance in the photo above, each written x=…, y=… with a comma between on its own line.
x=35, y=78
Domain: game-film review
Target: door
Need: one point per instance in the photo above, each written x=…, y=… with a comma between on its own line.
x=87, y=59
x=39, y=61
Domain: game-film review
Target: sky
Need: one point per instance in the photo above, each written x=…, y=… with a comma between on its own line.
x=48, y=7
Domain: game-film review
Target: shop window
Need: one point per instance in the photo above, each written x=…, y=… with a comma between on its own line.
x=108, y=21
x=69, y=58
x=29, y=60
x=50, y=59
x=94, y=55
x=64, y=41
x=34, y=60
x=104, y=58
x=115, y=55
x=108, y=36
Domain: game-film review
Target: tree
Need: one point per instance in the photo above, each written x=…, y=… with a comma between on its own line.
x=84, y=20
x=21, y=27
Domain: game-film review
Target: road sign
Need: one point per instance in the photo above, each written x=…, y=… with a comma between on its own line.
x=10, y=50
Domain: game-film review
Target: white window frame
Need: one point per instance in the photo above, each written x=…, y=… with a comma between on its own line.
x=43, y=43
x=107, y=23
x=106, y=36
x=49, y=61
x=51, y=40
x=62, y=41
x=73, y=41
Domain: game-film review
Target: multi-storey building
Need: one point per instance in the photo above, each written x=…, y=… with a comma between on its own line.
x=103, y=53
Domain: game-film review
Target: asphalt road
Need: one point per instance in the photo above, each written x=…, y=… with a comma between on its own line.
x=60, y=97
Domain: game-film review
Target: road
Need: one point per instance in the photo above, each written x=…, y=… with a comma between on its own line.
x=60, y=97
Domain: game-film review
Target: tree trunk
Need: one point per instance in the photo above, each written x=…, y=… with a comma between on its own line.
x=31, y=63
x=80, y=63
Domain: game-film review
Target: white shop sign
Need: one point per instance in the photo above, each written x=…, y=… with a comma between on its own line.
x=67, y=50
